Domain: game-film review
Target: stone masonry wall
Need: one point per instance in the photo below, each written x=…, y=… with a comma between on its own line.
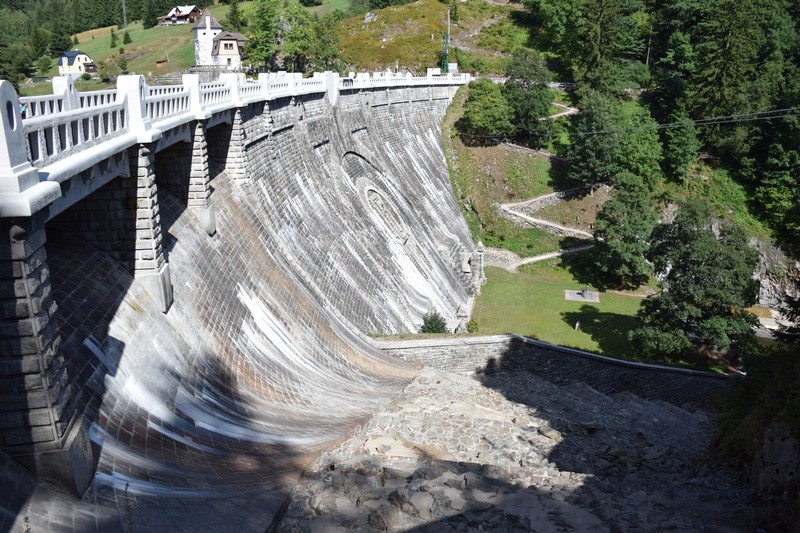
x=510, y=353
x=358, y=200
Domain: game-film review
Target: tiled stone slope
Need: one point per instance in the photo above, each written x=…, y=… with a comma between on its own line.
x=358, y=199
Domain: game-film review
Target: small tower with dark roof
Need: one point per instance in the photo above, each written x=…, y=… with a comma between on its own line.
x=205, y=30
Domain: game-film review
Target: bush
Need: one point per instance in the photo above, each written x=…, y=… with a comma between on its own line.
x=86, y=76
x=433, y=322
x=472, y=327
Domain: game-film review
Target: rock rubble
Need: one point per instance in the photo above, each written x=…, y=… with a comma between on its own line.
x=512, y=452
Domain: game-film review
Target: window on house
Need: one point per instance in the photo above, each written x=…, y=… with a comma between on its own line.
x=228, y=46
x=229, y=61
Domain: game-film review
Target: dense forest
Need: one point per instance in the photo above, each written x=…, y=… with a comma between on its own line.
x=668, y=92
x=37, y=31
x=718, y=80
x=662, y=87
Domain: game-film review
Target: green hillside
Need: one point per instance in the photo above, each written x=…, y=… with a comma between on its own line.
x=406, y=36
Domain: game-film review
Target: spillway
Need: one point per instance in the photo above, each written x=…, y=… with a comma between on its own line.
x=201, y=418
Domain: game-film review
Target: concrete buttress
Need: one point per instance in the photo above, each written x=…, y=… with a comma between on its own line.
x=149, y=264
x=199, y=179
x=38, y=423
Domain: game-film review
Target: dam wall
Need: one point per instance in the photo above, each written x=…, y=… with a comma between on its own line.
x=359, y=200
x=314, y=224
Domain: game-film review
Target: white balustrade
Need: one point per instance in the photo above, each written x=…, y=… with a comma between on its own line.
x=166, y=101
x=50, y=138
x=250, y=90
x=97, y=98
x=67, y=131
x=42, y=105
x=72, y=120
x=214, y=93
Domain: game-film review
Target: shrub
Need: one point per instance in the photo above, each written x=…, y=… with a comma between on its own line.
x=433, y=322
x=472, y=327
x=86, y=76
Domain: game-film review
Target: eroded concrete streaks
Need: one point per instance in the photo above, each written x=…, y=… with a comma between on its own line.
x=203, y=418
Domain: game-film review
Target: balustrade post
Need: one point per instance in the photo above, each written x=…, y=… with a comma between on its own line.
x=263, y=79
x=191, y=82
x=16, y=172
x=234, y=80
x=134, y=89
x=332, y=87
x=64, y=85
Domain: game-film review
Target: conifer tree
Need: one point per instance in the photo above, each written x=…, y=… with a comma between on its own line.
x=623, y=230
x=149, y=14
x=529, y=97
x=234, y=20
x=681, y=145
x=592, y=156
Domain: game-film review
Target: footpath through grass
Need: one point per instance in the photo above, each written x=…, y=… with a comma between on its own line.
x=532, y=303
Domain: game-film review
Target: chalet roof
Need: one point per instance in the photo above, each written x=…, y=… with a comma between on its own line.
x=227, y=36
x=201, y=21
x=230, y=36
x=69, y=57
x=182, y=11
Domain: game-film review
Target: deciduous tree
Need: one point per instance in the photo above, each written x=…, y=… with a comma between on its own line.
x=706, y=286
x=262, y=44
x=529, y=97
x=487, y=116
x=295, y=37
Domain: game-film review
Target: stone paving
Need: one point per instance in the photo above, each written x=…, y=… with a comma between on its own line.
x=512, y=452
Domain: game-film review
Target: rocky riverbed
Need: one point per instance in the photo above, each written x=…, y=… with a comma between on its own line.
x=512, y=452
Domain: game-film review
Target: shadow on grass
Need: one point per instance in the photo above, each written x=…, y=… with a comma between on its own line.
x=557, y=175
x=582, y=265
x=608, y=330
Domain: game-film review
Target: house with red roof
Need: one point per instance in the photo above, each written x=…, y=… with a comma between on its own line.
x=180, y=15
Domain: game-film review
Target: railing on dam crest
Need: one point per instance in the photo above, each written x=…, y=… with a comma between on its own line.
x=66, y=132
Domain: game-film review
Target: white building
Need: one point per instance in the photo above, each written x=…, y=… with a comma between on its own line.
x=75, y=62
x=181, y=15
x=213, y=46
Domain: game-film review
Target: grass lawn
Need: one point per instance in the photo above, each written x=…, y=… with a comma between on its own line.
x=408, y=35
x=532, y=303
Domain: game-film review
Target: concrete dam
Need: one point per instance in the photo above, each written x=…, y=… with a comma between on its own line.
x=189, y=277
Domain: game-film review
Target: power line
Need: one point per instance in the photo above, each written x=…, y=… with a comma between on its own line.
x=725, y=119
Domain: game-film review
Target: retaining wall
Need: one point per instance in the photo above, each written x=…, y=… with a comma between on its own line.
x=511, y=353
